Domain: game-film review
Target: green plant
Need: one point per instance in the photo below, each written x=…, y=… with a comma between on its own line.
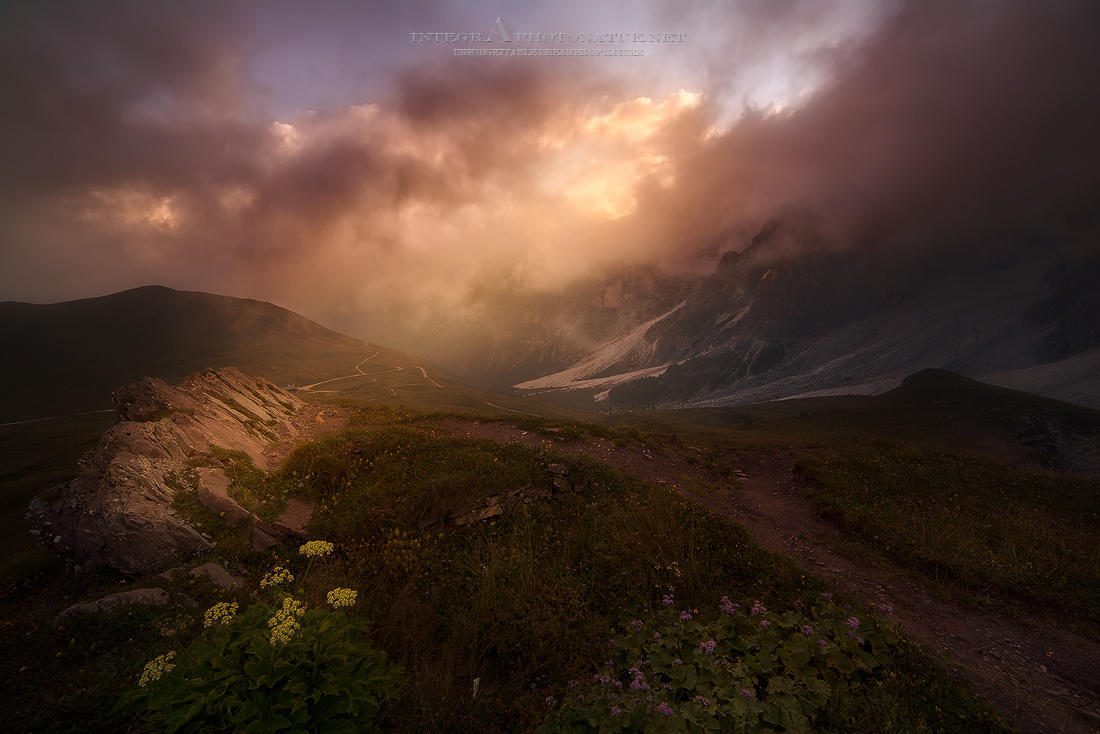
x=738, y=671
x=264, y=494
x=271, y=669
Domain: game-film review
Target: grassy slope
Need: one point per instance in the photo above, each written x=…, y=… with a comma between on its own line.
x=393, y=378
x=523, y=604
x=933, y=476
x=554, y=578
x=73, y=354
x=988, y=524
x=34, y=456
x=932, y=408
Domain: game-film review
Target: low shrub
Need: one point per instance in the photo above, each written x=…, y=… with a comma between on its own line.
x=741, y=670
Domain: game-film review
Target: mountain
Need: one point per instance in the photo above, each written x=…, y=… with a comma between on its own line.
x=514, y=332
x=790, y=313
x=68, y=357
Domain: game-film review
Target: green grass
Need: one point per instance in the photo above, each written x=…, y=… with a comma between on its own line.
x=259, y=493
x=33, y=457
x=406, y=389
x=524, y=603
x=1017, y=528
x=68, y=678
x=939, y=477
x=934, y=409
x=560, y=428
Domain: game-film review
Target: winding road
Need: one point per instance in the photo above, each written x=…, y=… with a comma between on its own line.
x=56, y=417
x=425, y=374
x=358, y=373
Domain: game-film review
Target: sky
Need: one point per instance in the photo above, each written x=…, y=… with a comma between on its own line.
x=352, y=162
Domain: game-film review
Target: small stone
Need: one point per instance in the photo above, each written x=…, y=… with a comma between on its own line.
x=295, y=517
x=216, y=573
x=479, y=515
x=560, y=469
x=261, y=540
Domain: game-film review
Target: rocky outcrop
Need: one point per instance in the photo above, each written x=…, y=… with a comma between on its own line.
x=111, y=602
x=118, y=511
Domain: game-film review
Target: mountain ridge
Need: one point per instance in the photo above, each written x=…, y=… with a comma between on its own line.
x=793, y=315
x=71, y=354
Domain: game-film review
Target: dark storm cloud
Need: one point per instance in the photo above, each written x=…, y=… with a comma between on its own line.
x=954, y=119
x=113, y=91
x=125, y=104
x=319, y=160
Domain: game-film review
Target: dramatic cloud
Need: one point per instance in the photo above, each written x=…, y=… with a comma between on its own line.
x=322, y=161
x=954, y=120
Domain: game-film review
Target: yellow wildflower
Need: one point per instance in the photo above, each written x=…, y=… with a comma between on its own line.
x=278, y=575
x=157, y=667
x=220, y=613
x=316, y=548
x=342, y=597
x=284, y=625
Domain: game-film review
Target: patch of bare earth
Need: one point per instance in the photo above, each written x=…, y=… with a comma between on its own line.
x=1042, y=677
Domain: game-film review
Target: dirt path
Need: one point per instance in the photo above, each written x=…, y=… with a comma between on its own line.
x=358, y=373
x=1043, y=678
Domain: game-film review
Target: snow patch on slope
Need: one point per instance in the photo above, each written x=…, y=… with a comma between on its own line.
x=579, y=376
x=1074, y=380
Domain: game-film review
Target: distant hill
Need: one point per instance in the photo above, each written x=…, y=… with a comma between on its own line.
x=932, y=406
x=67, y=357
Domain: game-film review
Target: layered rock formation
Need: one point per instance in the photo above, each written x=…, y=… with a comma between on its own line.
x=118, y=511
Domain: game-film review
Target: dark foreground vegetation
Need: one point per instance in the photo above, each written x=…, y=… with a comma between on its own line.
x=618, y=605
x=1025, y=532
